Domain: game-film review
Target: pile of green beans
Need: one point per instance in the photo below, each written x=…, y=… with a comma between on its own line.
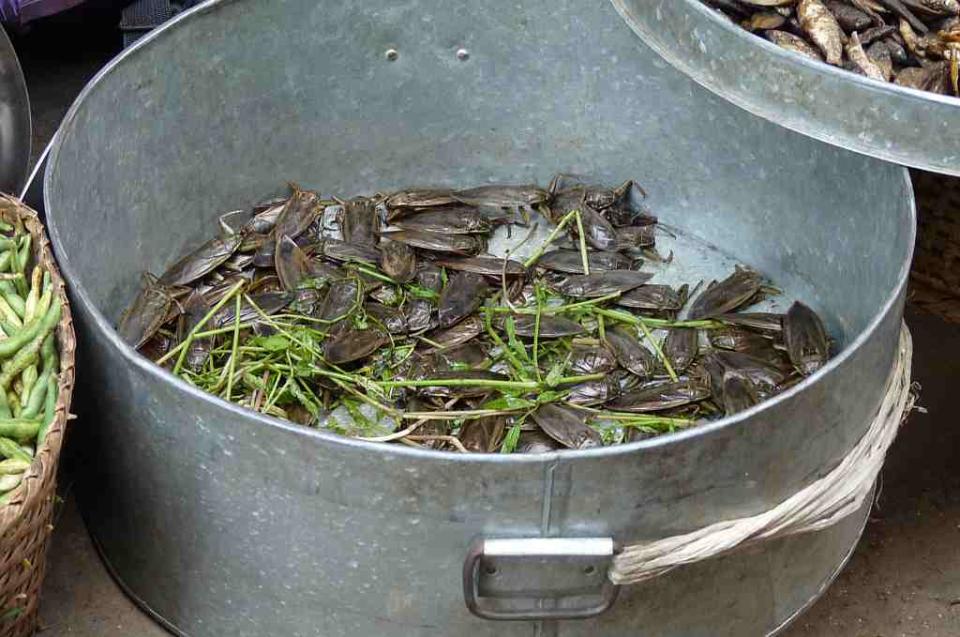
x=29, y=361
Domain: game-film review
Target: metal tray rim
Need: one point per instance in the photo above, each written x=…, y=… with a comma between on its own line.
x=791, y=58
x=881, y=89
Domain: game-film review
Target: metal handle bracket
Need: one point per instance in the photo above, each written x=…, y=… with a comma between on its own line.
x=531, y=579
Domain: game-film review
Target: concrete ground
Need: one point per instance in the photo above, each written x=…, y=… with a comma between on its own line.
x=903, y=580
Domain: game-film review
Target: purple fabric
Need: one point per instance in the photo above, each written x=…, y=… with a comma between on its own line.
x=9, y=10
x=23, y=11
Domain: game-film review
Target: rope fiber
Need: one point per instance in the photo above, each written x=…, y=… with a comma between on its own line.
x=819, y=505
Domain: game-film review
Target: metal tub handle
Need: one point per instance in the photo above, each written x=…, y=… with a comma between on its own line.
x=539, y=578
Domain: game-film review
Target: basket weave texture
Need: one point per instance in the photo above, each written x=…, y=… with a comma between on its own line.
x=26, y=520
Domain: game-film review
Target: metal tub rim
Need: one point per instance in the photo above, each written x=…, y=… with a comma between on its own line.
x=160, y=374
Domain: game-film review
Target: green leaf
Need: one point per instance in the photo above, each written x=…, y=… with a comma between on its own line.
x=556, y=373
x=511, y=439
x=253, y=382
x=305, y=400
x=272, y=343
x=507, y=401
x=513, y=341
x=421, y=292
x=551, y=396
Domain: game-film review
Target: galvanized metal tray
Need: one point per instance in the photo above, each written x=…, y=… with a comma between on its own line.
x=875, y=118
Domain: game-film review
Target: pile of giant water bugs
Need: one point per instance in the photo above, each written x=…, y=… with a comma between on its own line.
x=384, y=318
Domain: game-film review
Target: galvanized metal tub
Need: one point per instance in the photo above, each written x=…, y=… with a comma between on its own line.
x=894, y=123
x=223, y=522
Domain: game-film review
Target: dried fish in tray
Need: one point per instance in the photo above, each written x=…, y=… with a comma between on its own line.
x=913, y=43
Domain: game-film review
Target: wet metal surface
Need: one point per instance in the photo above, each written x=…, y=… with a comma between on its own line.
x=223, y=521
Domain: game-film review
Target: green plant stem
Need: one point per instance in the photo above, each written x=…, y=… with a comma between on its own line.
x=550, y=238
x=627, y=317
x=432, y=344
x=187, y=342
x=507, y=351
x=548, y=310
x=640, y=419
x=497, y=384
x=659, y=352
x=583, y=243
x=234, y=354
x=463, y=382
x=457, y=415
x=289, y=335
x=376, y=274
x=395, y=413
x=536, y=341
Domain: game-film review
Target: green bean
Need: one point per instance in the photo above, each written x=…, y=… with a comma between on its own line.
x=11, y=369
x=34, y=400
x=49, y=408
x=44, y=303
x=7, y=243
x=13, y=465
x=9, y=314
x=19, y=428
x=25, y=357
x=9, y=294
x=13, y=400
x=39, y=325
x=22, y=257
x=30, y=305
x=10, y=449
x=23, y=252
x=4, y=406
x=48, y=353
x=28, y=378
x=10, y=482
x=8, y=328
x=5, y=227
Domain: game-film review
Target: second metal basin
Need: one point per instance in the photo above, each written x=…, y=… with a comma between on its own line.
x=897, y=124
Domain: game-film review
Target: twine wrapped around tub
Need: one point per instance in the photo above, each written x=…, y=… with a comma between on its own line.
x=821, y=504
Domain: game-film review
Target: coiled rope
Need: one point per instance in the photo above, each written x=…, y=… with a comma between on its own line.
x=819, y=505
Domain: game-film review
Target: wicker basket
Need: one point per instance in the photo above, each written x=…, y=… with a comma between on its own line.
x=25, y=522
